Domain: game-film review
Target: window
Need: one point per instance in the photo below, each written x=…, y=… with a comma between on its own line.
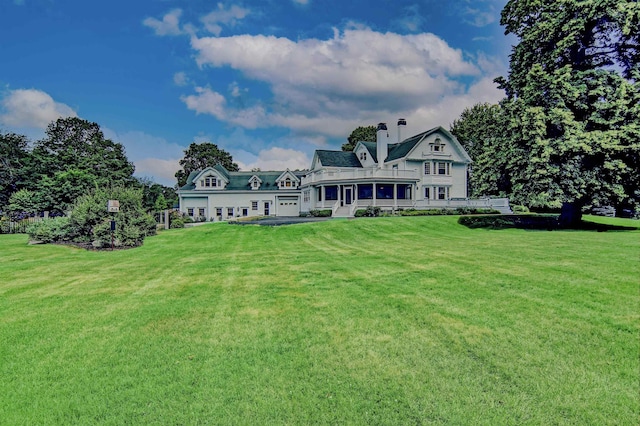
x=365, y=192
x=442, y=193
x=443, y=168
x=437, y=146
x=209, y=182
x=427, y=168
x=229, y=211
x=363, y=156
x=201, y=212
x=190, y=212
x=255, y=183
x=427, y=193
x=306, y=196
x=254, y=205
x=219, y=211
x=331, y=193
x=245, y=211
x=384, y=192
x=287, y=183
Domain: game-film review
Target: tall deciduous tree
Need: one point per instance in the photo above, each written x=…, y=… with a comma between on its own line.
x=15, y=164
x=201, y=155
x=573, y=95
x=360, y=134
x=74, y=158
x=480, y=129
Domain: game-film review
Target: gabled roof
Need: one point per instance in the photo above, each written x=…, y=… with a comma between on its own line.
x=402, y=149
x=338, y=158
x=372, y=147
x=287, y=173
x=239, y=181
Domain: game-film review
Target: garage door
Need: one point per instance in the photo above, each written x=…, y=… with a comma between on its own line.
x=288, y=206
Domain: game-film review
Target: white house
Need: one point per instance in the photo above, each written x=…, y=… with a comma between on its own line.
x=428, y=170
x=217, y=194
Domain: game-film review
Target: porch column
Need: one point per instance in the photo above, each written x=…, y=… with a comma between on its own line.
x=395, y=196
x=324, y=196
x=375, y=190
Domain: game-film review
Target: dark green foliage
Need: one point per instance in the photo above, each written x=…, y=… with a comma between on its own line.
x=442, y=212
x=481, y=130
x=573, y=107
x=201, y=155
x=24, y=203
x=370, y=211
x=320, y=213
x=362, y=133
x=90, y=220
x=520, y=209
x=156, y=197
x=542, y=222
x=15, y=163
x=73, y=159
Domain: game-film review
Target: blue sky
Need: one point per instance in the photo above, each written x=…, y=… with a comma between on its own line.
x=270, y=81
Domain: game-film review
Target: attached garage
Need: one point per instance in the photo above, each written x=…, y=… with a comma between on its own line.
x=287, y=206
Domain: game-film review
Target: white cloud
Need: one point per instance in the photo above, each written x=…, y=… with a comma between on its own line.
x=158, y=170
x=480, y=17
x=329, y=87
x=180, y=79
x=152, y=156
x=276, y=159
x=206, y=101
x=214, y=20
x=170, y=24
x=32, y=108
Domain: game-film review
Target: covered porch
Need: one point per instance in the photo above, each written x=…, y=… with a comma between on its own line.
x=345, y=199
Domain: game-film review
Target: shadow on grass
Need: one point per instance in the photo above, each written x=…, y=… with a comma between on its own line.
x=536, y=222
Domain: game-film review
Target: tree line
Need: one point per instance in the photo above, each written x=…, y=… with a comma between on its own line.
x=566, y=136
x=73, y=159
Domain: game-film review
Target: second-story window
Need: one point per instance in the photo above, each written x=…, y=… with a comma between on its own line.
x=427, y=168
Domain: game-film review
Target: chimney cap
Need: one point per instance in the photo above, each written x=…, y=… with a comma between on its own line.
x=382, y=126
x=402, y=122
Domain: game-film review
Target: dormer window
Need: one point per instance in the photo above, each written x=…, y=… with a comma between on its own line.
x=363, y=156
x=287, y=183
x=209, y=182
x=255, y=182
x=437, y=146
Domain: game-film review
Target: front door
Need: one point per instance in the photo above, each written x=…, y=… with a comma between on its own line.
x=266, y=208
x=348, y=195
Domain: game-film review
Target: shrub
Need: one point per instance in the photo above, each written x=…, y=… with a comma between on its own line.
x=177, y=223
x=439, y=212
x=320, y=213
x=520, y=209
x=370, y=211
x=50, y=230
x=510, y=221
x=90, y=220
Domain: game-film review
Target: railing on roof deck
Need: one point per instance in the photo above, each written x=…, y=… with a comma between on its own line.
x=337, y=174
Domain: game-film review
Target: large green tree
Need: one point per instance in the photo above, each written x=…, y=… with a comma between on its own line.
x=480, y=130
x=573, y=95
x=201, y=155
x=15, y=165
x=73, y=158
x=360, y=134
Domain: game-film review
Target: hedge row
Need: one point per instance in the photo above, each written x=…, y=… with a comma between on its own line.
x=530, y=221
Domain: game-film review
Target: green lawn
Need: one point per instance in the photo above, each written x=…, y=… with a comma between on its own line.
x=413, y=320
